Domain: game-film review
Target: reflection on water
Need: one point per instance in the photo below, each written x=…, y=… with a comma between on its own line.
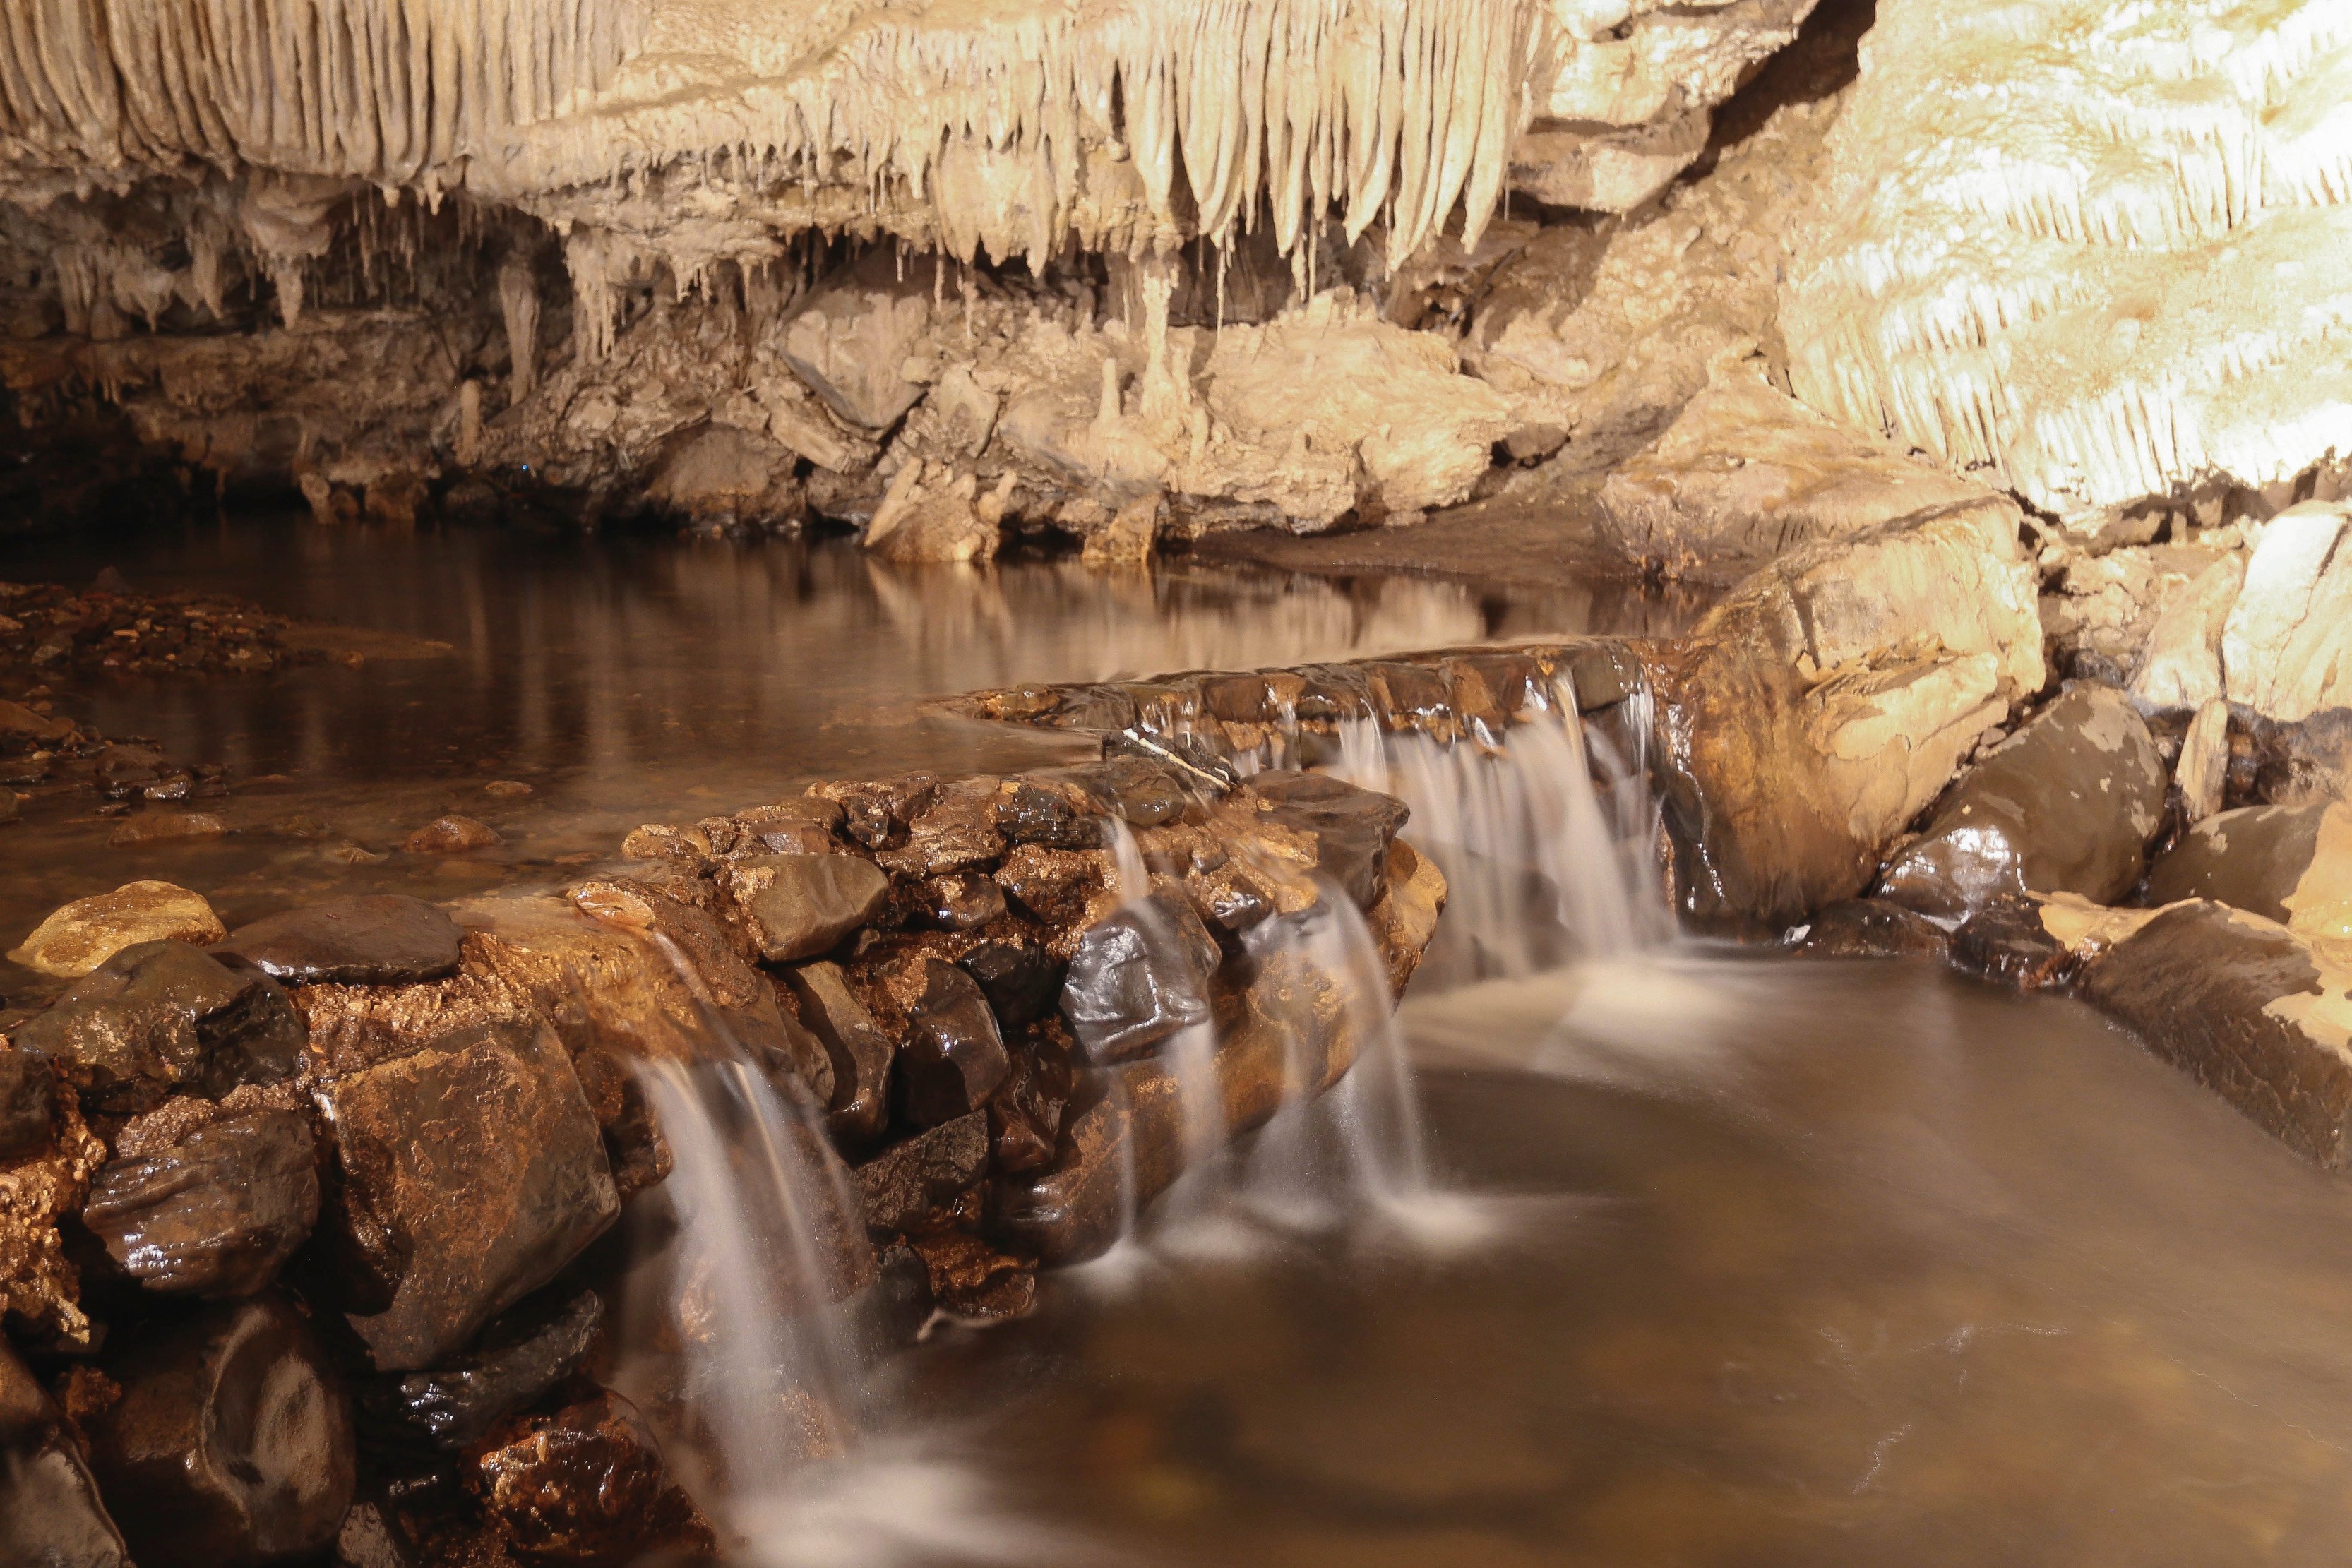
x=629, y=680
x=1807, y=1264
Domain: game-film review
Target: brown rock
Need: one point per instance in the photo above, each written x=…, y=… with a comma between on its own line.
x=2065, y=805
x=860, y=1053
x=799, y=906
x=160, y=1016
x=50, y=1515
x=43, y=1181
x=451, y=835
x=84, y=933
x=162, y=827
x=522, y=1357
x=1871, y=928
x=1024, y=1115
x=28, y=1104
x=2248, y=1009
x=954, y=1055
x=2288, y=863
x=1053, y=886
x=1021, y=983
x=216, y=1214
x=378, y=939
x=2008, y=941
x=473, y=1171
x=232, y=1443
x=586, y=1486
x=962, y=901
x=1137, y=976
x=1352, y=826
x=901, y=1186
x=973, y=1279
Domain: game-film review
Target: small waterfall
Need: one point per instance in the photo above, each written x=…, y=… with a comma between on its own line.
x=1545, y=865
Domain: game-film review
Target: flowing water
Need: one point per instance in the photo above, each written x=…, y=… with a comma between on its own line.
x=1747, y=1261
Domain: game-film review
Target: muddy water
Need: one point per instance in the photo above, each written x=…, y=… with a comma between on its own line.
x=1795, y=1264
x=629, y=680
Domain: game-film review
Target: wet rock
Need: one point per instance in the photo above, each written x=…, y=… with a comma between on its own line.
x=2065, y=805
x=2247, y=1008
x=160, y=1016
x=1139, y=977
x=2288, y=863
x=232, y=1442
x=451, y=835
x=2008, y=941
x=899, y=1303
x=162, y=827
x=902, y=1186
x=84, y=933
x=956, y=832
x=1139, y=791
x=50, y=1515
x=8, y=804
x=875, y=813
x=1871, y=928
x=1024, y=1115
x=861, y=1053
x=973, y=1279
x=215, y=1214
x=954, y=1055
x=803, y=825
x=1352, y=826
x=506, y=788
x=473, y=1170
x=2287, y=763
x=522, y=1358
x=1237, y=904
x=585, y=1486
x=963, y=902
x=798, y=906
x=28, y=1103
x=375, y=939
x=1022, y=982
x=1052, y=886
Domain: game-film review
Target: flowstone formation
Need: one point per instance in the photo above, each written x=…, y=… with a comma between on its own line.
x=2089, y=252
x=737, y=263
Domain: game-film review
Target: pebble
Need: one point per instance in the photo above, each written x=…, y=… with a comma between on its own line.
x=162, y=827
x=452, y=835
x=506, y=789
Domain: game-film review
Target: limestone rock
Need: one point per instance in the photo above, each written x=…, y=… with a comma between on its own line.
x=928, y=517
x=850, y=340
x=2181, y=666
x=586, y=1486
x=722, y=477
x=2288, y=763
x=2287, y=646
x=50, y=1515
x=2067, y=804
x=2203, y=771
x=2256, y=1013
x=1746, y=473
x=953, y=1057
x=1137, y=978
x=372, y=939
x=1021, y=983
x=2292, y=865
x=1610, y=170
x=160, y=1016
x=215, y=1214
x=84, y=933
x=904, y=1183
x=472, y=1172
x=231, y=1446
x=522, y=1357
x=800, y=906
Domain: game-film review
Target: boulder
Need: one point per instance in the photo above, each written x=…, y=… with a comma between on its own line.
x=799, y=906
x=50, y=1515
x=954, y=1057
x=215, y=1214
x=86, y=932
x=232, y=1443
x=1140, y=792
x=522, y=1357
x=722, y=477
x=2286, y=650
x=1352, y=826
x=2288, y=763
x=587, y=1486
x=2067, y=804
x=163, y=827
x=902, y=1186
x=1025, y=1116
x=1822, y=704
x=2288, y=863
x=931, y=514
x=473, y=1170
x=374, y=939
x=1871, y=928
x=860, y=1053
x=1032, y=815
x=162, y=1017
x=1137, y=976
x=2251, y=1009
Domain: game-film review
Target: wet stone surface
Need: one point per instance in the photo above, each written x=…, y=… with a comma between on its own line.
x=28, y=1100
x=901, y=1186
x=1139, y=977
x=50, y=1513
x=82, y=936
x=520, y=1358
x=860, y=1053
x=215, y=1214
x=953, y=1057
x=1871, y=928
x=371, y=939
x=586, y=1486
x=1352, y=826
x=162, y=1016
x=800, y=906
x=1022, y=982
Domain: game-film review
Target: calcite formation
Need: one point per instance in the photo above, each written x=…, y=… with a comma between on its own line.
x=2087, y=249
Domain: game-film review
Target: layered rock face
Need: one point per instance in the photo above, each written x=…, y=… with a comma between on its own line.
x=2081, y=249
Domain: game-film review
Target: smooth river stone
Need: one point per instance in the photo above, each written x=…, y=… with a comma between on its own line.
x=215, y=1214
x=50, y=1515
x=231, y=1446
x=800, y=906
x=162, y=1016
x=954, y=1056
x=79, y=937
x=1352, y=826
x=1139, y=977
x=522, y=1357
x=374, y=939
x=473, y=1171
